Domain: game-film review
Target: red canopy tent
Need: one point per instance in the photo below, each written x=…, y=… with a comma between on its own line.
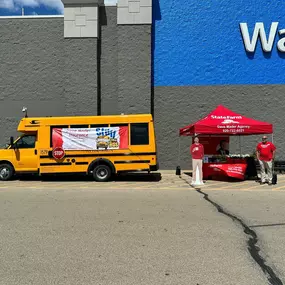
x=223, y=121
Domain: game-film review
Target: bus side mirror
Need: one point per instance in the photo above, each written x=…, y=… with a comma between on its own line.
x=11, y=142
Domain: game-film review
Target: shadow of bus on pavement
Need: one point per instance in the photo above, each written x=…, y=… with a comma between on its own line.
x=121, y=177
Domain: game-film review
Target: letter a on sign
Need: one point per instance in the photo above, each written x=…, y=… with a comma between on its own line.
x=281, y=42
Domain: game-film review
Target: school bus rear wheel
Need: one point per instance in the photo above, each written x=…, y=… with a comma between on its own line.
x=102, y=173
x=6, y=172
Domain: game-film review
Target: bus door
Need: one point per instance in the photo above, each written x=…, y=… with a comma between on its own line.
x=25, y=154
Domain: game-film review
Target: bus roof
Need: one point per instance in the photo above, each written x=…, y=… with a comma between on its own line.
x=32, y=123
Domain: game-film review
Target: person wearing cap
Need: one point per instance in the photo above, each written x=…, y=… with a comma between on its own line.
x=197, y=152
x=265, y=153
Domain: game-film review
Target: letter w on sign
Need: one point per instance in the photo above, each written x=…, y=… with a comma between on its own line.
x=259, y=32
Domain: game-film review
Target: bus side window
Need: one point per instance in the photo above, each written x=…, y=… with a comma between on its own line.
x=139, y=134
x=28, y=141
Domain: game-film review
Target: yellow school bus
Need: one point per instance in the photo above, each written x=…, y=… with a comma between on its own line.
x=88, y=144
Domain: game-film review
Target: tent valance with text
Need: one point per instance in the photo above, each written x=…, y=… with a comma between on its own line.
x=223, y=121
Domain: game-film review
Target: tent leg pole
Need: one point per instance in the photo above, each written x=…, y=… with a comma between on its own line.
x=179, y=156
x=178, y=168
x=240, y=145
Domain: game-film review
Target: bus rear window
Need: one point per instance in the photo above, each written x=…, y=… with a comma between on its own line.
x=139, y=134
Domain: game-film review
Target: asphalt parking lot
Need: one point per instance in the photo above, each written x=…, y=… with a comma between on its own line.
x=247, y=185
x=165, y=180
x=141, y=230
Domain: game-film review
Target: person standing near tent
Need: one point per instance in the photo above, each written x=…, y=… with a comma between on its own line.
x=197, y=152
x=222, y=149
x=265, y=153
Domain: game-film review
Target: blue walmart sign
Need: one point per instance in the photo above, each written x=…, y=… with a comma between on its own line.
x=219, y=42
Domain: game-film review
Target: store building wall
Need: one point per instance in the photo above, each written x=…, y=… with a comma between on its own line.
x=180, y=68
x=200, y=62
x=176, y=107
x=44, y=72
x=54, y=75
x=125, y=65
x=31, y=70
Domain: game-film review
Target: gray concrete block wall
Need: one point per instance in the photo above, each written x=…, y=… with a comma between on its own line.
x=30, y=70
x=176, y=107
x=125, y=65
x=10, y=129
x=134, y=69
x=109, y=60
x=44, y=72
x=57, y=76
x=80, y=76
x=31, y=59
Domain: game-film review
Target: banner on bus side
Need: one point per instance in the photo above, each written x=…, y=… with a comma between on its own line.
x=91, y=138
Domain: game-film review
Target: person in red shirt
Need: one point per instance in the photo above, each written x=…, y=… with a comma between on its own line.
x=265, y=153
x=197, y=152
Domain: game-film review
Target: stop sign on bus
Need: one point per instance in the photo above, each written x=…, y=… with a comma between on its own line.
x=58, y=153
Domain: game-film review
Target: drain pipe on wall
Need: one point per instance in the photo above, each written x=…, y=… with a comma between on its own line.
x=99, y=49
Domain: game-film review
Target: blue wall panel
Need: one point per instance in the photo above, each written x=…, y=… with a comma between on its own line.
x=200, y=43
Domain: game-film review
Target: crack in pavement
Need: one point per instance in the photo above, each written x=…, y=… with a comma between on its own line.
x=252, y=247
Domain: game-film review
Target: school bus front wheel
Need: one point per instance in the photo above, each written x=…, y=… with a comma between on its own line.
x=6, y=171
